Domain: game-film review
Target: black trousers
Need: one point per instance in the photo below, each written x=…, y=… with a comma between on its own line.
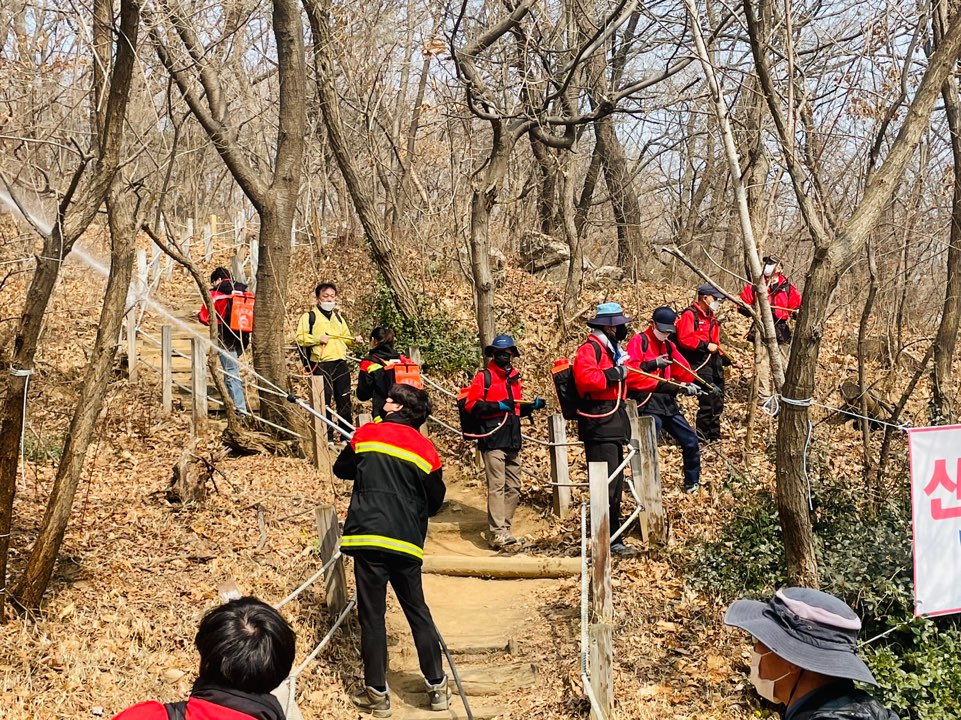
x=710, y=407
x=336, y=376
x=372, y=571
x=612, y=453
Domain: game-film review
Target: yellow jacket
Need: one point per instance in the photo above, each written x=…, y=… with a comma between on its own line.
x=335, y=327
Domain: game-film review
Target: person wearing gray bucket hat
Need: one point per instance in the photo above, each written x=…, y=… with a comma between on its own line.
x=805, y=655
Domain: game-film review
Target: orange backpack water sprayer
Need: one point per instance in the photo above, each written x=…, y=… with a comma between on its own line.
x=407, y=372
x=241, y=315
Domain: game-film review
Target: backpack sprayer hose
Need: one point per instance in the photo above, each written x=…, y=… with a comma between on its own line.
x=453, y=671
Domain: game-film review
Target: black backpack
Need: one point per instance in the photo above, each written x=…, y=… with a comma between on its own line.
x=697, y=323
x=304, y=351
x=471, y=426
x=176, y=710
x=563, y=376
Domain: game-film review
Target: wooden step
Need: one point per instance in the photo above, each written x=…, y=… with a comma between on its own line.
x=484, y=680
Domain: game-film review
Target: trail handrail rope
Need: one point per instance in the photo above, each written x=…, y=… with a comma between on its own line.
x=310, y=581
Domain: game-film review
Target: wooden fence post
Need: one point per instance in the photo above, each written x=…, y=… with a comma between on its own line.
x=414, y=354
x=213, y=225
x=647, y=480
x=208, y=243
x=560, y=468
x=364, y=418
x=318, y=428
x=600, y=637
x=335, y=579
x=130, y=322
x=240, y=223
x=198, y=386
x=166, y=369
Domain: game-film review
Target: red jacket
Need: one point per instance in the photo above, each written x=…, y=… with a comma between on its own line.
x=221, y=297
x=589, y=377
x=656, y=396
x=482, y=400
x=696, y=329
x=197, y=709
x=782, y=295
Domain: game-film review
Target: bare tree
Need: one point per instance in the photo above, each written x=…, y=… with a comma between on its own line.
x=77, y=208
x=274, y=191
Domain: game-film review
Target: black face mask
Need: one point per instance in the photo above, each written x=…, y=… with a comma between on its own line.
x=620, y=333
x=502, y=360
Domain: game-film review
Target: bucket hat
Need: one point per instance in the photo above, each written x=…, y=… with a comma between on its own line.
x=502, y=342
x=808, y=628
x=664, y=319
x=609, y=314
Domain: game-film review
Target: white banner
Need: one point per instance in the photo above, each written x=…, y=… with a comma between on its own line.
x=936, y=506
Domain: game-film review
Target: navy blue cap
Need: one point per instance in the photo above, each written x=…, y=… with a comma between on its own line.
x=502, y=342
x=664, y=319
x=709, y=289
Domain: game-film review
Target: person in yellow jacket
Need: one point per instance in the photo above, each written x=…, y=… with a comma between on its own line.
x=322, y=338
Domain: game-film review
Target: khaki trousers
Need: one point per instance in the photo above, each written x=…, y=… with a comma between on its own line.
x=503, y=469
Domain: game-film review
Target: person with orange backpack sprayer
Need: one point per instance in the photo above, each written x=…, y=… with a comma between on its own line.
x=602, y=380
x=383, y=367
x=234, y=306
x=658, y=356
x=494, y=398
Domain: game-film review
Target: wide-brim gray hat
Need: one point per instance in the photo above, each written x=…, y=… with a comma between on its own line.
x=809, y=628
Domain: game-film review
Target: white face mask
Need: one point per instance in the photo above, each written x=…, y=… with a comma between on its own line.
x=715, y=306
x=328, y=306
x=764, y=687
x=662, y=336
x=769, y=270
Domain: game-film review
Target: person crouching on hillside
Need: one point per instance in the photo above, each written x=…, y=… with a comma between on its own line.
x=398, y=484
x=495, y=396
x=375, y=379
x=246, y=650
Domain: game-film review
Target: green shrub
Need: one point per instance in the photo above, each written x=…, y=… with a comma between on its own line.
x=864, y=559
x=446, y=346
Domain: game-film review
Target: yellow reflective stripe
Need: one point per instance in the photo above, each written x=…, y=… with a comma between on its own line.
x=382, y=542
x=374, y=366
x=393, y=451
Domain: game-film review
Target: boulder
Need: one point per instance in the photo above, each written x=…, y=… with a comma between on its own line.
x=497, y=259
x=609, y=273
x=540, y=253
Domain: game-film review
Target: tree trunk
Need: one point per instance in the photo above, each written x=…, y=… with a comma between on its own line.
x=77, y=210
x=318, y=13
x=624, y=202
x=548, y=172
x=946, y=340
x=43, y=556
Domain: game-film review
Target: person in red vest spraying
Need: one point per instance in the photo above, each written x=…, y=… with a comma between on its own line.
x=602, y=380
x=383, y=367
x=234, y=306
x=699, y=340
x=655, y=354
x=495, y=398
x=785, y=301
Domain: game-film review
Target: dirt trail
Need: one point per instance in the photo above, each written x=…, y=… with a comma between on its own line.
x=482, y=621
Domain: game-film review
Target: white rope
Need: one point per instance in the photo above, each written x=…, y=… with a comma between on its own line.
x=312, y=579
x=25, y=374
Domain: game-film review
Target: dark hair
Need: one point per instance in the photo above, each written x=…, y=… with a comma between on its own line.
x=415, y=404
x=382, y=335
x=219, y=273
x=323, y=286
x=246, y=645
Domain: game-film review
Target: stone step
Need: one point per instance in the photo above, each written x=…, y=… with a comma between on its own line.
x=484, y=680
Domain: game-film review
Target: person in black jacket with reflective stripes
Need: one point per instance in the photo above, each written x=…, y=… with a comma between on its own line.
x=398, y=484
x=375, y=379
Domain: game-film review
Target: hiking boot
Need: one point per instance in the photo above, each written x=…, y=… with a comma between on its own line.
x=439, y=695
x=371, y=701
x=622, y=550
x=692, y=488
x=501, y=541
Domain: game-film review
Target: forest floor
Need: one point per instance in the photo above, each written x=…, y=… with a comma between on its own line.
x=136, y=573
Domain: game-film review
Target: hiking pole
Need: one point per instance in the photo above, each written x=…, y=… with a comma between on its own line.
x=453, y=671
x=654, y=377
x=291, y=398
